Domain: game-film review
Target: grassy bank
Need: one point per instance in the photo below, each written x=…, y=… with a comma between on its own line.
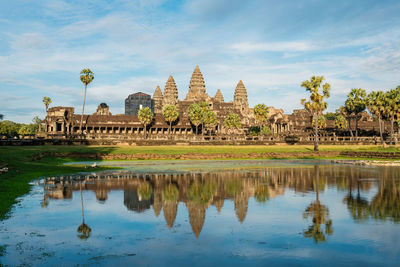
x=24, y=166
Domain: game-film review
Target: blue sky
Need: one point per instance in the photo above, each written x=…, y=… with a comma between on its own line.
x=134, y=46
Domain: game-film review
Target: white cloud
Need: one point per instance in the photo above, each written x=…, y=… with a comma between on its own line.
x=246, y=47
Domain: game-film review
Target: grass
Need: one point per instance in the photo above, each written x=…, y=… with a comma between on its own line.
x=23, y=168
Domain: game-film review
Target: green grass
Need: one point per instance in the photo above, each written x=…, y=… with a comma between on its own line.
x=23, y=168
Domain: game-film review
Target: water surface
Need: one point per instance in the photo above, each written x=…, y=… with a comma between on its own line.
x=198, y=213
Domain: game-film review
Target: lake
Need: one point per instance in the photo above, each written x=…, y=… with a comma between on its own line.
x=196, y=213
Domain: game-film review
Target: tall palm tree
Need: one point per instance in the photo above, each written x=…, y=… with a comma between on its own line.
x=195, y=115
x=146, y=117
x=392, y=110
x=170, y=114
x=355, y=104
x=316, y=105
x=47, y=101
x=376, y=106
x=87, y=77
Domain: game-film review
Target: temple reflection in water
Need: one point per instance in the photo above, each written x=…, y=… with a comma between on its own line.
x=198, y=191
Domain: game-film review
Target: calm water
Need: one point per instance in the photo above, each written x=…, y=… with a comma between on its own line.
x=196, y=213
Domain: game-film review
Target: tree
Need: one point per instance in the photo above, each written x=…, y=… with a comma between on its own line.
x=260, y=112
x=195, y=115
x=232, y=121
x=87, y=77
x=316, y=105
x=47, y=101
x=205, y=108
x=347, y=115
x=392, y=109
x=146, y=117
x=170, y=114
x=210, y=119
x=1, y=117
x=321, y=122
x=355, y=104
x=340, y=121
x=376, y=105
x=9, y=128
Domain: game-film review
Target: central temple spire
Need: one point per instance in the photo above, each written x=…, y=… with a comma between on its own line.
x=197, y=87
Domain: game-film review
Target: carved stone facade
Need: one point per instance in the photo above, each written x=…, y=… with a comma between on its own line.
x=103, y=109
x=158, y=100
x=197, y=88
x=170, y=93
x=218, y=96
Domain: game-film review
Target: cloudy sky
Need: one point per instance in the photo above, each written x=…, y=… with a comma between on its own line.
x=131, y=46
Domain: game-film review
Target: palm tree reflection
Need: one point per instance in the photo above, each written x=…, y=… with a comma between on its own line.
x=319, y=214
x=84, y=231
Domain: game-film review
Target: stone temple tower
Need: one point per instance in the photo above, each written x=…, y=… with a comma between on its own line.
x=197, y=87
x=170, y=93
x=240, y=101
x=218, y=96
x=158, y=100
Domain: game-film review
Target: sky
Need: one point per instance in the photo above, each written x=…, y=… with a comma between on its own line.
x=133, y=46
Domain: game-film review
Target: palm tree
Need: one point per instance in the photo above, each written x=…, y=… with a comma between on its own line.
x=340, y=122
x=195, y=115
x=260, y=112
x=392, y=110
x=316, y=105
x=205, y=108
x=84, y=230
x=232, y=121
x=376, y=105
x=356, y=103
x=146, y=117
x=210, y=119
x=87, y=77
x=47, y=101
x=170, y=114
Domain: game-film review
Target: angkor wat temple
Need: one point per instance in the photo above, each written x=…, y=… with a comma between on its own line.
x=62, y=122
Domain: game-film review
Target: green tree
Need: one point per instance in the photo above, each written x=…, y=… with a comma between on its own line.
x=205, y=108
x=170, y=114
x=9, y=128
x=260, y=112
x=355, y=104
x=86, y=77
x=146, y=117
x=376, y=105
x=266, y=130
x=392, y=110
x=232, y=121
x=348, y=117
x=195, y=115
x=316, y=105
x=47, y=101
x=321, y=122
x=340, y=121
x=210, y=119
